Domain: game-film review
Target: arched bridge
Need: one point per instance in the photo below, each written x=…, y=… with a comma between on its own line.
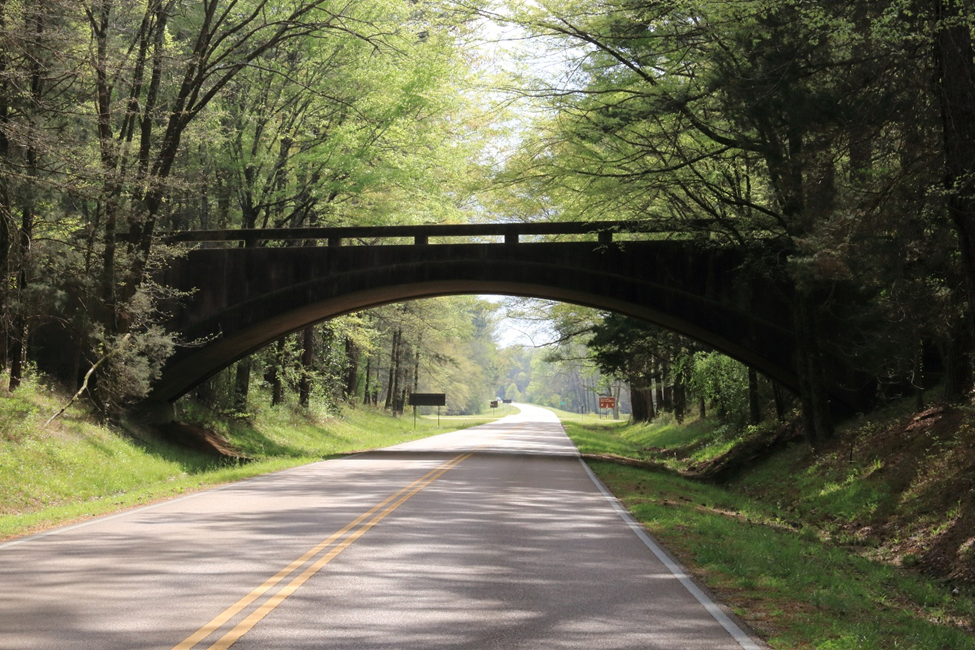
x=250, y=287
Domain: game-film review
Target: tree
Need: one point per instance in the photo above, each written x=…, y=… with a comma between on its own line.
x=438, y=345
x=119, y=119
x=955, y=72
x=37, y=96
x=746, y=121
x=646, y=357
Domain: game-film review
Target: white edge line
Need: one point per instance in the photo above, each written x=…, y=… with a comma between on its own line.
x=739, y=635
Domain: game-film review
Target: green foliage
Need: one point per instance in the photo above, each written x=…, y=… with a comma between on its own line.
x=724, y=382
x=365, y=127
x=76, y=461
x=663, y=440
x=512, y=392
x=813, y=129
x=447, y=345
x=376, y=357
x=558, y=370
x=133, y=117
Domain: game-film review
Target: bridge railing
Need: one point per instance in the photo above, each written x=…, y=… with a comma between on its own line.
x=421, y=235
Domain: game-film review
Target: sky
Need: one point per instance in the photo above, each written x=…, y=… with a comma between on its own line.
x=506, y=50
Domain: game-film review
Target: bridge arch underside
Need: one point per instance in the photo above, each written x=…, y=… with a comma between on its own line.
x=250, y=300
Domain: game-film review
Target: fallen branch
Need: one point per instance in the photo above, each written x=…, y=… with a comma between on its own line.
x=84, y=384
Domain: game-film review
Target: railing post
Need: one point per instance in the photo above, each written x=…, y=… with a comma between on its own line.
x=511, y=238
x=605, y=236
x=334, y=242
x=421, y=240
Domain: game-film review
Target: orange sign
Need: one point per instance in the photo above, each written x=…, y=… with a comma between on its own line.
x=607, y=402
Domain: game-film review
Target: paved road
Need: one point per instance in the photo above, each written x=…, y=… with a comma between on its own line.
x=494, y=537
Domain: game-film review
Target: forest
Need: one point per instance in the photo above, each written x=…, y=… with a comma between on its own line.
x=842, y=133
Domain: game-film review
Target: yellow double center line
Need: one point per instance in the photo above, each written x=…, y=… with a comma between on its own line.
x=390, y=504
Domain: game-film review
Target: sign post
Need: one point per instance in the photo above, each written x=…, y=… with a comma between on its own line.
x=606, y=402
x=427, y=399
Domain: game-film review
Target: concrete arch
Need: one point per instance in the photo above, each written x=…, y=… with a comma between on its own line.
x=245, y=298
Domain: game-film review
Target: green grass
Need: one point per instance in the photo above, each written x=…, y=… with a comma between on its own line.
x=695, y=440
x=291, y=432
x=840, y=493
x=795, y=590
x=584, y=417
x=894, y=485
x=77, y=469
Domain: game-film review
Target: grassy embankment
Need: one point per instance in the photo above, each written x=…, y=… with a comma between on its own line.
x=833, y=549
x=77, y=468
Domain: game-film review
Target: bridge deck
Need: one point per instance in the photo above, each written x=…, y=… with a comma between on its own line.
x=239, y=298
x=604, y=231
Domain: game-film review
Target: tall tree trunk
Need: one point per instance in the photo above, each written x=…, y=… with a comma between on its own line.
x=638, y=406
x=416, y=365
x=754, y=408
x=779, y=401
x=307, y=365
x=680, y=396
x=861, y=146
x=111, y=190
x=956, y=360
x=113, y=149
x=955, y=67
x=668, y=394
x=20, y=324
x=18, y=356
x=6, y=210
x=366, y=396
x=641, y=403
x=21, y=330
x=4, y=263
x=19, y=327
x=242, y=384
x=578, y=396
x=392, y=386
x=277, y=372
x=816, y=418
x=403, y=368
x=351, y=379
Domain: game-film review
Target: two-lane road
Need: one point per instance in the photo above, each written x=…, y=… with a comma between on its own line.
x=493, y=537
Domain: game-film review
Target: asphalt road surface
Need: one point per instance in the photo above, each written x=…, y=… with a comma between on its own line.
x=493, y=537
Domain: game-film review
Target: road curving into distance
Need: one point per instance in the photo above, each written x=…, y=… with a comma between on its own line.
x=492, y=537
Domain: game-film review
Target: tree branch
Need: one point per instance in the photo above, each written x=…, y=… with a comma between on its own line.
x=84, y=385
